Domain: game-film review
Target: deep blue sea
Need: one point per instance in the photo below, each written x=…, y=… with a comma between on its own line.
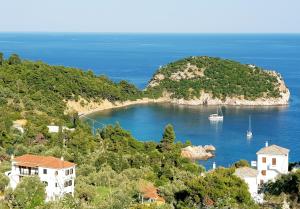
x=135, y=57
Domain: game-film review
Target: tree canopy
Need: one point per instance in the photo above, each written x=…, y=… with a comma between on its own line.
x=189, y=78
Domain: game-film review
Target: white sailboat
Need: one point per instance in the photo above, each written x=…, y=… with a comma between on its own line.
x=249, y=131
x=217, y=116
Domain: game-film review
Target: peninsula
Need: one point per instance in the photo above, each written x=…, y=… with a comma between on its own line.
x=33, y=87
x=203, y=81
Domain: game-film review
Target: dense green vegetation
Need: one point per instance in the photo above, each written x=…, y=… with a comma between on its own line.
x=111, y=164
x=287, y=188
x=30, y=87
x=221, y=78
x=118, y=162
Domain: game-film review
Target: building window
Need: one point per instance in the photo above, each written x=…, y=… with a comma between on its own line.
x=56, y=173
x=71, y=171
x=261, y=182
x=56, y=184
x=67, y=172
x=46, y=183
x=264, y=159
x=263, y=172
x=68, y=183
x=273, y=161
x=44, y=171
x=36, y=171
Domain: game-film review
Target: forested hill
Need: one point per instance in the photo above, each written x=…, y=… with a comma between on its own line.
x=38, y=87
x=189, y=78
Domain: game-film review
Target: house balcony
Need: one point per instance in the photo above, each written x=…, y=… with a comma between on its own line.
x=27, y=171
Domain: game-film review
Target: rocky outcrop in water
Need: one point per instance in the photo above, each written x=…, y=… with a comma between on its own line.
x=198, y=152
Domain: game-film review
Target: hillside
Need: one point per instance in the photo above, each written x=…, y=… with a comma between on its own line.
x=119, y=167
x=208, y=80
x=35, y=88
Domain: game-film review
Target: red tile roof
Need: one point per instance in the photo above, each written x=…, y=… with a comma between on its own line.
x=42, y=161
x=149, y=191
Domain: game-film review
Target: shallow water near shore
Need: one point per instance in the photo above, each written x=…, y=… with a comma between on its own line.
x=135, y=57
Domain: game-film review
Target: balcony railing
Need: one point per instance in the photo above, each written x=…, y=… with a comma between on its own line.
x=25, y=171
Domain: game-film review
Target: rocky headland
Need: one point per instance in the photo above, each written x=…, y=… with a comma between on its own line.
x=202, y=81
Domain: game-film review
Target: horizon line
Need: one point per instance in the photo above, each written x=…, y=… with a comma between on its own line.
x=158, y=33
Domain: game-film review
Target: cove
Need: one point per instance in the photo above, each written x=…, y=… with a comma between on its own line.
x=273, y=124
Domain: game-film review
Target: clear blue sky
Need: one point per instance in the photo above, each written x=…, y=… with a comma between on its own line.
x=180, y=16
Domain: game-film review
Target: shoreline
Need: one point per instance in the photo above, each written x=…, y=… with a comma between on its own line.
x=84, y=107
x=94, y=107
x=107, y=105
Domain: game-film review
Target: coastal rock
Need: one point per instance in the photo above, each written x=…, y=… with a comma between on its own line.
x=155, y=81
x=198, y=152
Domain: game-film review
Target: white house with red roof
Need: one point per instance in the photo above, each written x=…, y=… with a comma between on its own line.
x=57, y=175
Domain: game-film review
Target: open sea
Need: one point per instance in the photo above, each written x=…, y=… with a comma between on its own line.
x=135, y=57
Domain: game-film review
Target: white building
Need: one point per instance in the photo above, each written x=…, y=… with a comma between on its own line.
x=272, y=161
x=249, y=175
x=55, y=129
x=58, y=175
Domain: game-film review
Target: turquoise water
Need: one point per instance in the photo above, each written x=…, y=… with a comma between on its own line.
x=135, y=57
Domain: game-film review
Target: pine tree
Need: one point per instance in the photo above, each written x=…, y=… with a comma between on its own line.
x=1, y=58
x=168, y=138
x=14, y=59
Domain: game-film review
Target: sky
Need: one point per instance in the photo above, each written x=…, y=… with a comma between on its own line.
x=151, y=16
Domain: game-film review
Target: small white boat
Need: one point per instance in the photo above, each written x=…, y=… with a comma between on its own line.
x=216, y=117
x=249, y=131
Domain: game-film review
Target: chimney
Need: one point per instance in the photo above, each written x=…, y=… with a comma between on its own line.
x=62, y=158
x=267, y=143
x=214, y=165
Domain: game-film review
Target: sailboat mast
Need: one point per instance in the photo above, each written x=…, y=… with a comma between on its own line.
x=249, y=123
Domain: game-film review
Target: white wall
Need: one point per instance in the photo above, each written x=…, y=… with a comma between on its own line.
x=55, y=181
x=252, y=184
x=272, y=171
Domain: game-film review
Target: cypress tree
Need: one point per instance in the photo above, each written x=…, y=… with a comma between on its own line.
x=168, y=138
